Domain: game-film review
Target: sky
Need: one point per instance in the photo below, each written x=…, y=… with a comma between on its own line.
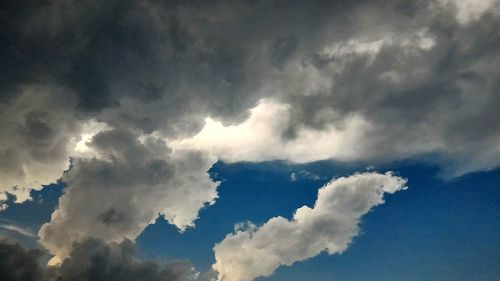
x=250, y=140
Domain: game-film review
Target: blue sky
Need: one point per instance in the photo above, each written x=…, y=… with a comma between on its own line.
x=436, y=230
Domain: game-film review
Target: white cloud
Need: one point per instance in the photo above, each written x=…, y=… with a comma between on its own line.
x=471, y=10
x=418, y=39
x=88, y=130
x=303, y=174
x=18, y=229
x=259, y=138
x=330, y=226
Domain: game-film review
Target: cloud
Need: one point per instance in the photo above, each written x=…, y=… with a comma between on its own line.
x=303, y=174
x=346, y=73
x=91, y=260
x=259, y=138
x=18, y=230
x=36, y=138
x=115, y=196
x=467, y=10
x=354, y=73
x=94, y=260
x=380, y=93
x=173, y=86
x=329, y=226
x=17, y=264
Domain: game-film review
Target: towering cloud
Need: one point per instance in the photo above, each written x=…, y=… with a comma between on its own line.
x=329, y=226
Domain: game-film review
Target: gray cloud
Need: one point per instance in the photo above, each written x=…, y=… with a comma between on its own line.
x=94, y=260
x=418, y=100
x=116, y=195
x=420, y=79
x=91, y=260
x=18, y=264
x=152, y=66
x=37, y=128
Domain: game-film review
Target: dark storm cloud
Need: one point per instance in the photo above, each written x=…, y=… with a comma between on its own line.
x=91, y=260
x=143, y=66
x=137, y=64
x=18, y=264
x=282, y=49
x=94, y=260
x=106, y=51
x=190, y=58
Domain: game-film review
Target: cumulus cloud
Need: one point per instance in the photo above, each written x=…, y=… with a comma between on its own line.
x=117, y=195
x=329, y=226
x=91, y=260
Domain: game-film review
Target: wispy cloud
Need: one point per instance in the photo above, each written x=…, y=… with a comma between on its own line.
x=13, y=227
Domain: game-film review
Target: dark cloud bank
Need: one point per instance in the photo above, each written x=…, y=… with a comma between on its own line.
x=91, y=260
x=166, y=65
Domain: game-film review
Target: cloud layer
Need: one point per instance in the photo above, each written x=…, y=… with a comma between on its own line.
x=329, y=226
x=373, y=89
x=358, y=73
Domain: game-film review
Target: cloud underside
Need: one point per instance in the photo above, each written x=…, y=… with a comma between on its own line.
x=91, y=260
x=136, y=100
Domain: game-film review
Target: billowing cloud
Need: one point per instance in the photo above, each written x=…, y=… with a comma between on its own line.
x=422, y=83
x=260, y=138
x=329, y=226
x=117, y=195
x=37, y=134
x=346, y=73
